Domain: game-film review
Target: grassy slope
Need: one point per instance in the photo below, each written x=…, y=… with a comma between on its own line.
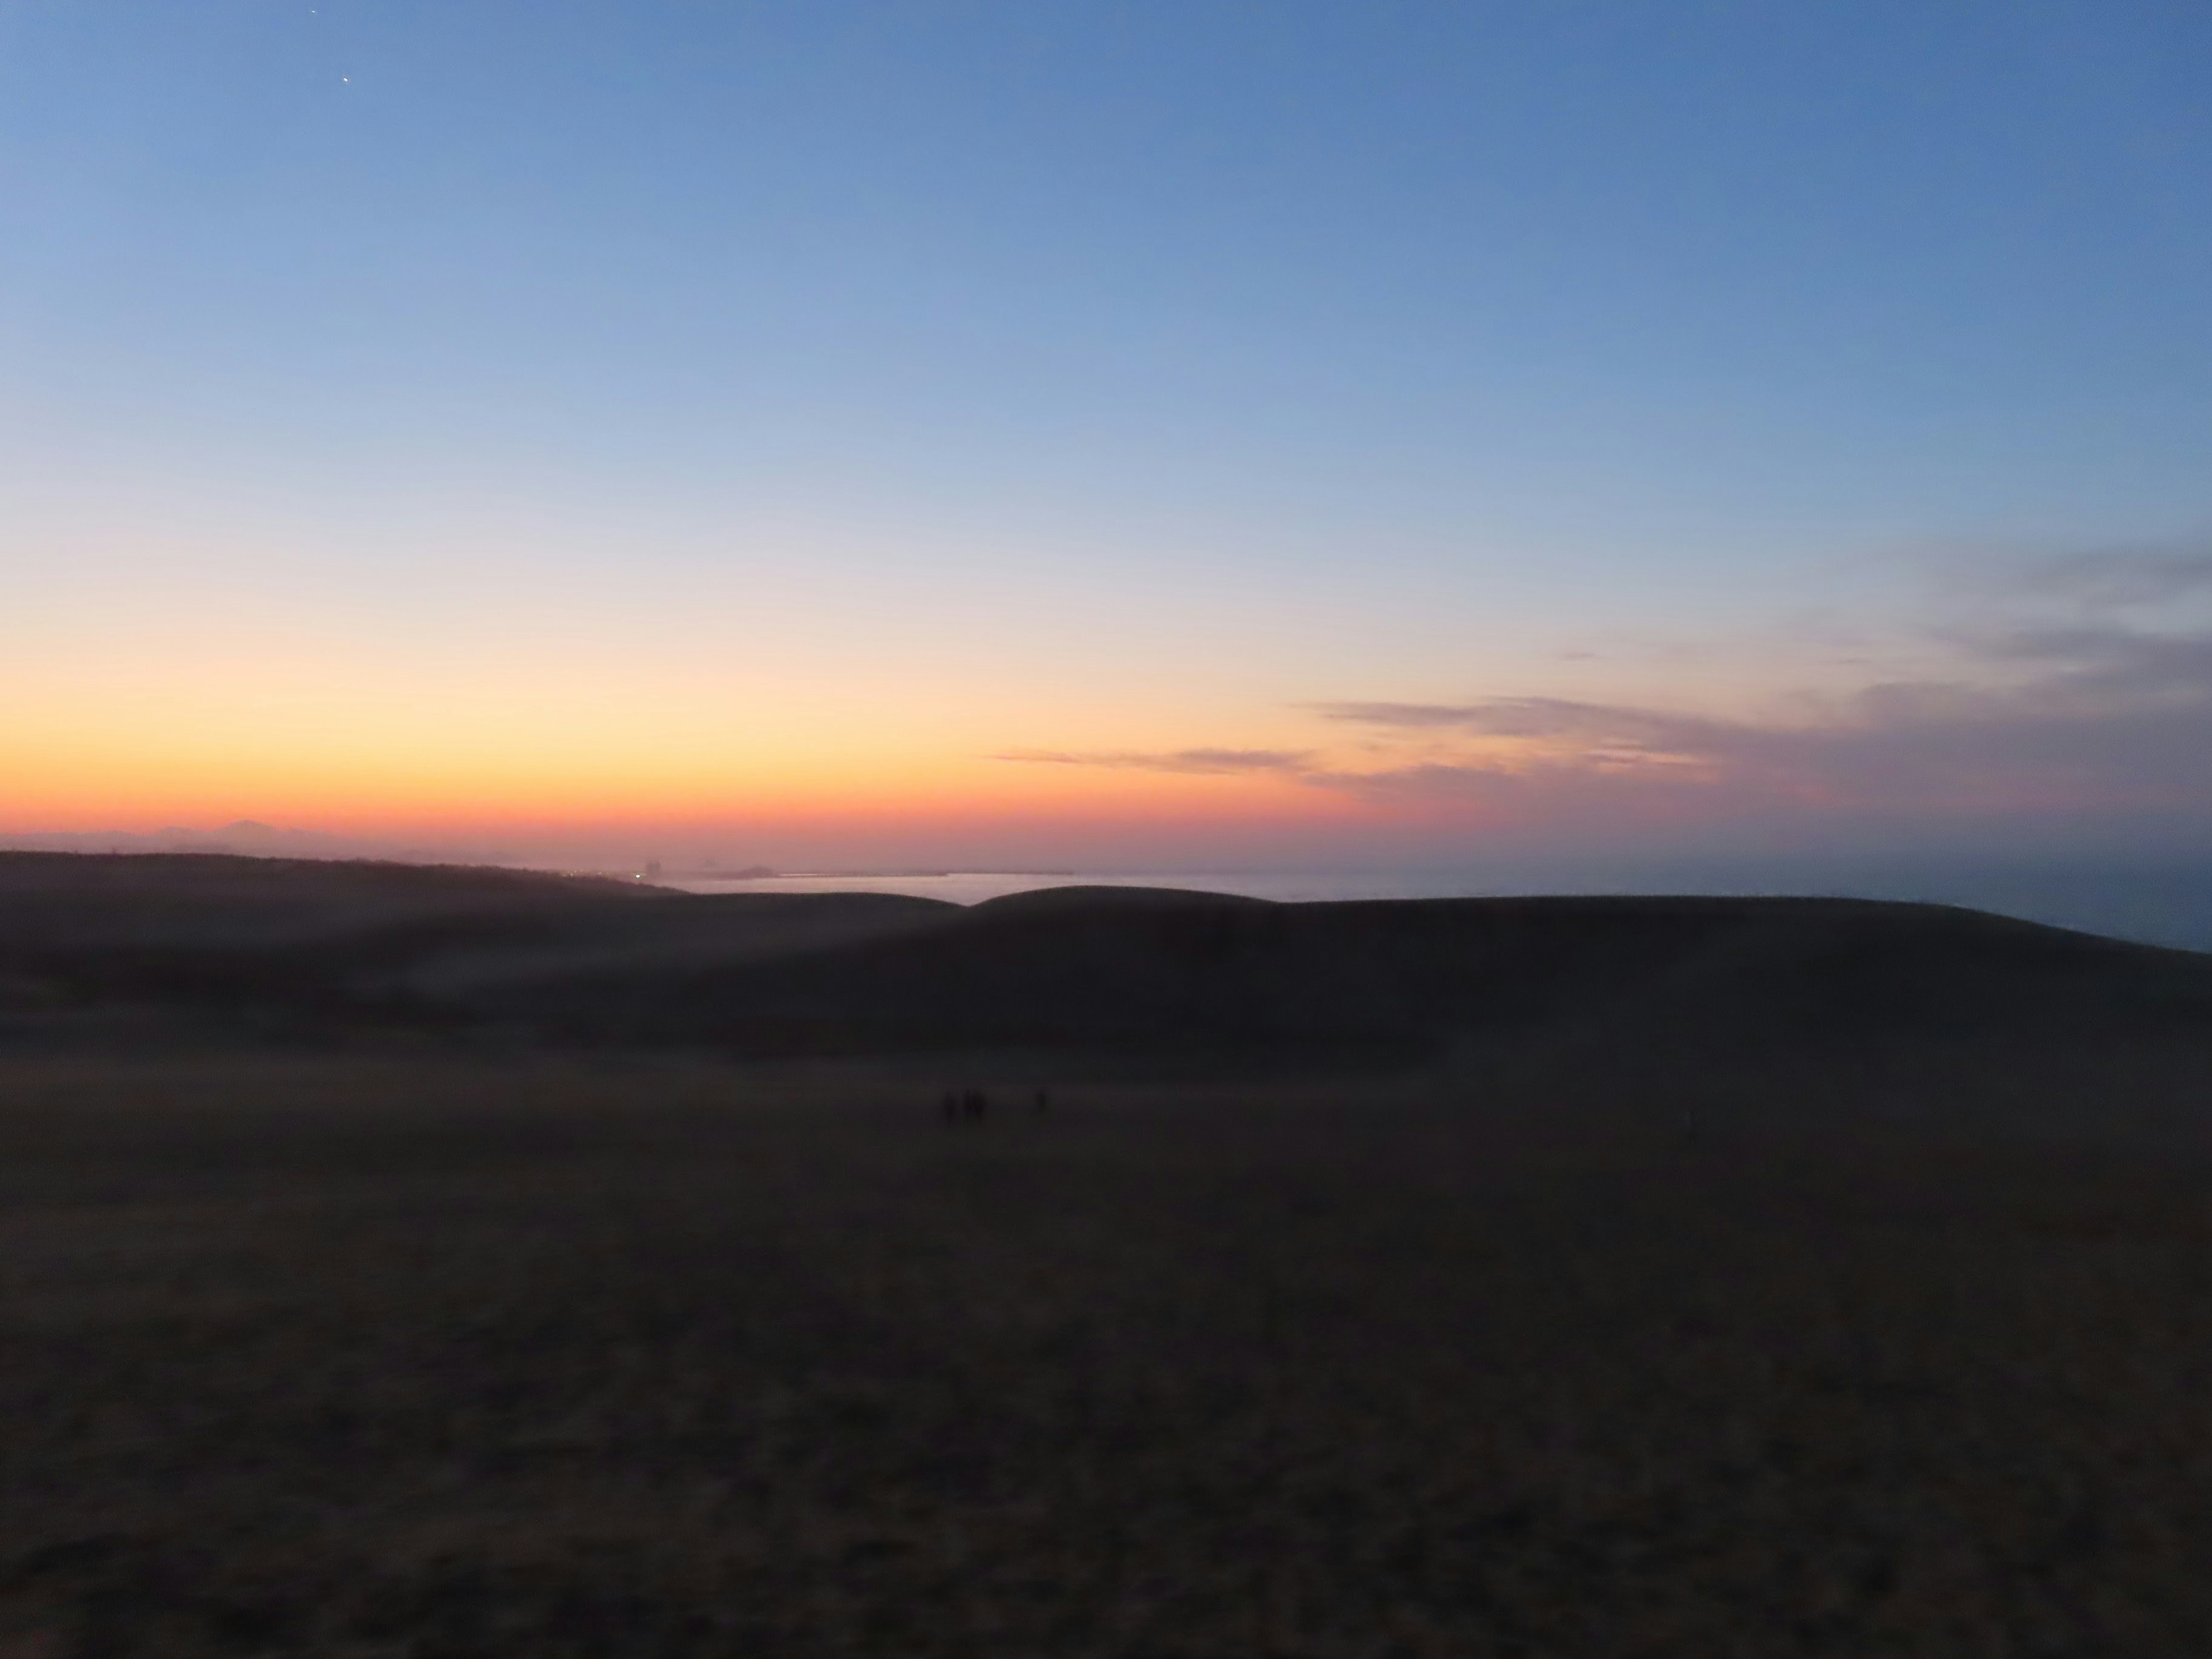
x=353, y=1357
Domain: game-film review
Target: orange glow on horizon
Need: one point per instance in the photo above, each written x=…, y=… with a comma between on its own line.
x=53, y=786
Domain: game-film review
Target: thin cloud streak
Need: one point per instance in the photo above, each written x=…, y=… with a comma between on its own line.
x=2084, y=695
x=2100, y=580
x=1191, y=762
x=2109, y=719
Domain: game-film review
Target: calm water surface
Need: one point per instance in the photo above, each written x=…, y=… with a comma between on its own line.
x=969, y=887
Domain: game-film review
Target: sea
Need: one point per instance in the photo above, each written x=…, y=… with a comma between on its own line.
x=973, y=887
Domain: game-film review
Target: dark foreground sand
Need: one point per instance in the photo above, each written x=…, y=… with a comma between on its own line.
x=357, y=1357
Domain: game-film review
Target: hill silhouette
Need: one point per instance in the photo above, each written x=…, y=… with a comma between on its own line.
x=223, y=947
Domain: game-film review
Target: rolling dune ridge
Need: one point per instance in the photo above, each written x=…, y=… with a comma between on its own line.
x=269, y=949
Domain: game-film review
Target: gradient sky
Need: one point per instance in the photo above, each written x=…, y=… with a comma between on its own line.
x=1121, y=433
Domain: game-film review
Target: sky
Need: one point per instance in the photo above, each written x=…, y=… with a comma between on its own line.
x=1132, y=436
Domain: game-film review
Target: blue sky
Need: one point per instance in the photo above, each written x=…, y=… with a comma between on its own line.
x=1111, y=378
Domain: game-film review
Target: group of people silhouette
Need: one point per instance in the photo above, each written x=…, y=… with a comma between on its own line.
x=973, y=1106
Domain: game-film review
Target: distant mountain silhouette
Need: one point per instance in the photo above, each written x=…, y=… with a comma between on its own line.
x=260, y=947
